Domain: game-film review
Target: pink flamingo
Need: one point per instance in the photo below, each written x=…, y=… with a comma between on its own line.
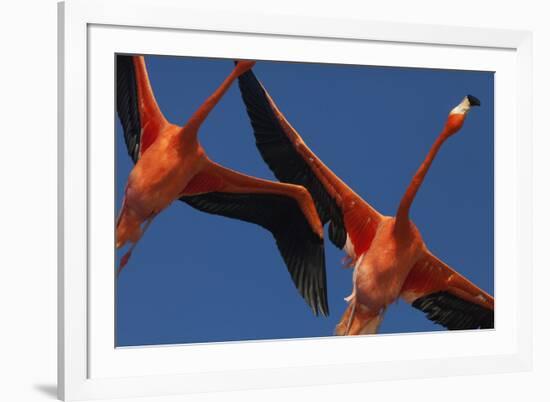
x=389, y=257
x=171, y=164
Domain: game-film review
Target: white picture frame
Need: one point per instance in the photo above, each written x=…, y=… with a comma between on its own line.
x=89, y=365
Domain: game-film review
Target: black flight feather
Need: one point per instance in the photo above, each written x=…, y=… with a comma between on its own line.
x=127, y=104
x=301, y=249
x=452, y=312
x=283, y=159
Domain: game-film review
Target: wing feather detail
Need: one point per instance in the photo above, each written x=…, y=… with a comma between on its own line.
x=290, y=159
x=300, y=247
x=139, y=114
x=446, y=297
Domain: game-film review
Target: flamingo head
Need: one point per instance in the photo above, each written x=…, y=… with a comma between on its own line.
x=458, y=114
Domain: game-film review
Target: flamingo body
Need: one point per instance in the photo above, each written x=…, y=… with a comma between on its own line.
x=379, y=274
x=159, y=177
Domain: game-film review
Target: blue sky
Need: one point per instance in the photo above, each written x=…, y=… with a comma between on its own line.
x=196, y=277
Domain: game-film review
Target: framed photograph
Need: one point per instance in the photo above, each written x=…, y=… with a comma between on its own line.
x=254, y=201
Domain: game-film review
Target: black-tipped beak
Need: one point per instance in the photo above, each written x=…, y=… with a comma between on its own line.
x=473, y=100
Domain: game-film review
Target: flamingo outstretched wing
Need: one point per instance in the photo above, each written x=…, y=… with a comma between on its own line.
x=280, y=208
x=351, y=218
x=447, y=297
x=140, y=115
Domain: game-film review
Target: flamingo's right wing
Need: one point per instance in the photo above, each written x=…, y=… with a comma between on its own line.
x=292, y=161
x=137, y=108
x=446, y=297
x=286, y=210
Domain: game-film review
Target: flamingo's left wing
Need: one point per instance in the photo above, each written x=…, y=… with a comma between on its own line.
x=137, y=108
x=282, y=148
x=276, y=207
x=447, y=297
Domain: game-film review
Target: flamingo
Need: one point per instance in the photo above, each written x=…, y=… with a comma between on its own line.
x=387, y=253
x=170, y=164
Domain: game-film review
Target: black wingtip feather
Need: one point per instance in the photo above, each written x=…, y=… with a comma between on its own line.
x=283, y=159
x=127, y=104
x=454, y=313
x=302, y=250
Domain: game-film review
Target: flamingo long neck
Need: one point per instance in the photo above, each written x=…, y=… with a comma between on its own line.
x=453, y=124
x=204, y=110
x=402, y=217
